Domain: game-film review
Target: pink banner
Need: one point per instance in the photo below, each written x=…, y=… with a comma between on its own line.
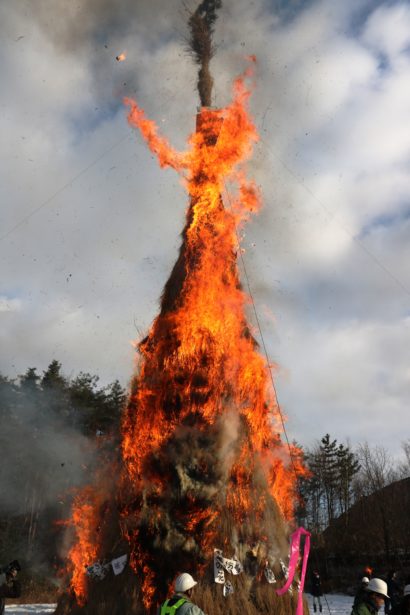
x=293, y=561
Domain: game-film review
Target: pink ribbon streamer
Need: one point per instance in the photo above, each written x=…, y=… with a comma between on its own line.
x=294, y=556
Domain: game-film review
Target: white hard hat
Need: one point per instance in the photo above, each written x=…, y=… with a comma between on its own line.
x=378, y=587
x=406, y=590
x=365, y=580
x=184, y=582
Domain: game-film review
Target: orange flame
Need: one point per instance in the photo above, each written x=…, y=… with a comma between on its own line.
x=199, y=361
x=84, y=552
x=212, y=314
x=199, y=352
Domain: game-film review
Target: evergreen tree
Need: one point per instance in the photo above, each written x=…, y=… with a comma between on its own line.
x=329, y=490
x=8, y=392
x=87, y=401
x=53, y=378
x=115, y=400
x=348, y=466
x=55, y=398
x=328, y=473
x=29, y=380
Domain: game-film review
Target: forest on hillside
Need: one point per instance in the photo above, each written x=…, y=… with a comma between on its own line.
x=356, y=503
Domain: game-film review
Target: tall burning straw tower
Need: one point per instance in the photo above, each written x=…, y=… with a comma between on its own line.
x=202, y=464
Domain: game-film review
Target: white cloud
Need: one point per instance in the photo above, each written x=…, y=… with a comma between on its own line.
x=349, y=386
x=328, y=254
x=8, y=304
x=388, y=29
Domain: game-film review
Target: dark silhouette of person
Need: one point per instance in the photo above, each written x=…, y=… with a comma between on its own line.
x=316, y=590
x=9, y=586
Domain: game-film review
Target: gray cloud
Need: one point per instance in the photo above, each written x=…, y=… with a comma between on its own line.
x=331, y=103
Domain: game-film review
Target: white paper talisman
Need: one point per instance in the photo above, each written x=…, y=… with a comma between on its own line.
x=238, y=568
x=228, y=589
x=118, y=564
x=269, y=575
x=285, y=569
x=219, y=574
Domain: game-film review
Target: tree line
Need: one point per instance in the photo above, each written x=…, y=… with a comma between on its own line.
x=54, y=429
x=339, y=476
x=76, y=402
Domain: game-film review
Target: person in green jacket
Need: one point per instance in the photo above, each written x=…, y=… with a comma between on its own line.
x=361, y=592
x=180, y=603
x=373, y=600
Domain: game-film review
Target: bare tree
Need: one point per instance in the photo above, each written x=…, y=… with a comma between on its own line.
x=404, y=466
x=377, y=471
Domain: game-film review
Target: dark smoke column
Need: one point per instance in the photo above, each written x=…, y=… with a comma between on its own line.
x=201, y=25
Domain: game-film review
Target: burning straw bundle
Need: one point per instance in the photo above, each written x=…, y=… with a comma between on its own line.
x=202, y=464
x=201, y=24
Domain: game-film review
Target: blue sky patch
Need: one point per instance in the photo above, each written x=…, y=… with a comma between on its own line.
x=386, y=220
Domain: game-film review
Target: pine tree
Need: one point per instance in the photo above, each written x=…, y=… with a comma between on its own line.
x=348, y=466
x=328, y=474
x=55, y=393
x=52, y=377
x=329, y=490
x=87, y=401
x=29, y=380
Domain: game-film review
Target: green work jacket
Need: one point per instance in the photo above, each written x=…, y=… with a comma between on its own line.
x=364, y=608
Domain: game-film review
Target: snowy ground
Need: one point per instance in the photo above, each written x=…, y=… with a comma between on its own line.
x=29, y=609
x=336, y=604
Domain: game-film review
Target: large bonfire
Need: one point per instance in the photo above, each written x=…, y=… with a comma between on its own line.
x=202, y=464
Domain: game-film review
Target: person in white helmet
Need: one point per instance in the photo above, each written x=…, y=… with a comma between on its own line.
x=361, y=591
x=376, y=594
x=181, y=603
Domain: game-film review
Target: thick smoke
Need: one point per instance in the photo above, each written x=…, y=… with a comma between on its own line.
x=45, y=456
x=42, y=457
x=74, y=28
x=94, y=33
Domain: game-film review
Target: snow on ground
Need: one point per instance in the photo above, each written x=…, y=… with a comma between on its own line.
x=29, y=609
x=335, y=604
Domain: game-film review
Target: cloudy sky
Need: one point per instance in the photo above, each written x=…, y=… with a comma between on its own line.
x=89, y=224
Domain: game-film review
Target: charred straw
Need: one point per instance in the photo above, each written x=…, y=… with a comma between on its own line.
x=201, y=24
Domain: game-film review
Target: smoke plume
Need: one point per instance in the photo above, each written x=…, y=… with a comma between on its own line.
x=201, y=24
